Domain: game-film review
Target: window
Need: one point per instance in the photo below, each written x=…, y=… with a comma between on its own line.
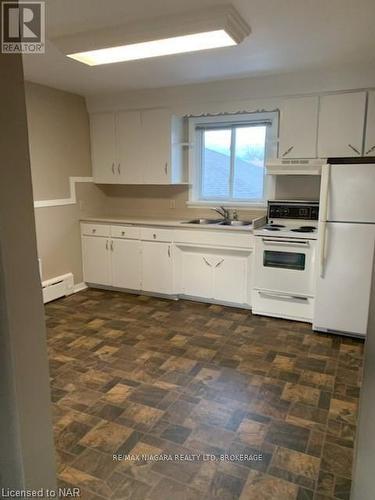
x=228, y=158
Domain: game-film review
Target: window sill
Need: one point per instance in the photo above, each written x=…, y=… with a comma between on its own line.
x=235, y=205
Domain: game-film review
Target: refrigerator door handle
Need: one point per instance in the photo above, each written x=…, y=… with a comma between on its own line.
x=323, y=214
x=323, y=209
x=322, y=247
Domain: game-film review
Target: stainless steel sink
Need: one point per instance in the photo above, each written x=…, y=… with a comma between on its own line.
x=220, y=222
x=235, y=223
x=203, y=221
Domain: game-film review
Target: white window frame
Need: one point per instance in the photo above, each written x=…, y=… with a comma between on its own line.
x=195, y=155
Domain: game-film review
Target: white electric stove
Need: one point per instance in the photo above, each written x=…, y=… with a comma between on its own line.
x=285, y=259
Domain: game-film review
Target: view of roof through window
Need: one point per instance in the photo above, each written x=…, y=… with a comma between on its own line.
x=233, y=163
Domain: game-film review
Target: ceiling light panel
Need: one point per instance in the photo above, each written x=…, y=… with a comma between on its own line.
x=156, y=48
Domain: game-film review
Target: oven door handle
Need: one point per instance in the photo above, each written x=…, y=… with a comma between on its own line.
x=288, y=243
x=274, y=295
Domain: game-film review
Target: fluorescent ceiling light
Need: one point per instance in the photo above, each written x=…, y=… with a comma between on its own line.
x=156, y=48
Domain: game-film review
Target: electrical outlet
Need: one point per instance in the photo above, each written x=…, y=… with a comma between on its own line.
x=172, y=203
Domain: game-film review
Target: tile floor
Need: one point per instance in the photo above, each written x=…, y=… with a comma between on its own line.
x=156, y=379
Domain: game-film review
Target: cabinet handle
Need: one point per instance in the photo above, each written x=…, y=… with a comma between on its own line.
x=287, y=151
x=122, y=233
x=154, y=236
x=354, y=149
x=111, y=245
x=106, y=244
x=219, y=263
x=370, y=150
x=113, y=168
x=94, y=230
x=169, y=250
x=166, y=168
x=119, y=168
x=206, y=261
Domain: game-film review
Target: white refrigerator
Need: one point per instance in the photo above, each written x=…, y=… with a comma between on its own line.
x=346, y=246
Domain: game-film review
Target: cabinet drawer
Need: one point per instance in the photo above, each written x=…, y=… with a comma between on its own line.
x=156, y=234
x=95, y=229
x=129, y=232
x=282, y=305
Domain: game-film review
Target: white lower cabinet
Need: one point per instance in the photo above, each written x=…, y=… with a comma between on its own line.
x=126, y=263
x=217, y=275
x=157, y=268
x=196, y=275
x=230, y=275
x=154, y=260
x=96, y=260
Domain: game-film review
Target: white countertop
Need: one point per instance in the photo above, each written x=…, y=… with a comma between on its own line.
x=176, y=223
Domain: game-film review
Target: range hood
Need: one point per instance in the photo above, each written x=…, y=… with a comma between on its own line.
x=295, y=166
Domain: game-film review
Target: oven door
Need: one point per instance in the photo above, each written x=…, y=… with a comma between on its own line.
x=284, y=265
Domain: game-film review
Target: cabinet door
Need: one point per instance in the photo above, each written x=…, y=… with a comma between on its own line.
x=126, y=263
x=156, y=146
x=103, y=148
x=157, y=267
x=230, y=278
x=370, y=126
x=130, y=147
x=197, y=274
x=96, y=260
x=298, y=128
x=341, y=123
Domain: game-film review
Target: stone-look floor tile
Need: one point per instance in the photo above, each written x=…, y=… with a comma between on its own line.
x=86, y=481
x=343, y=411
x=296, y=462
x=337, y=460
x=148, y=395
x=288, y=435
x=131, y=489
x=118, y=394
x=319, y=380
x=106, y=437
x=225, y=487
x=208, y=412
x=265, y=487
x=168, y=488
x=139, y=416
x=212, y=435
x=301, y=394
x=95, y=463
x=252, y=433
x=218, y=378
x=342, y=488
x=307, y=416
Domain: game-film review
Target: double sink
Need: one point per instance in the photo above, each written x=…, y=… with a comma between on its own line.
x=220, y=222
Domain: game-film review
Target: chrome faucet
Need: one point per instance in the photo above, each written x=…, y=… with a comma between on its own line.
x=223, y=212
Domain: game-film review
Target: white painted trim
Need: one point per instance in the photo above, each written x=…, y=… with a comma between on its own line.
x=64, y=201
x=79, y=287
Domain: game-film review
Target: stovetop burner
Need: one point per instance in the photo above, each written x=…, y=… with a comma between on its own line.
x=304, y=229
x=273, y=227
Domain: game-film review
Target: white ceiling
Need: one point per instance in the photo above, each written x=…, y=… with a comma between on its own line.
x=287, y=36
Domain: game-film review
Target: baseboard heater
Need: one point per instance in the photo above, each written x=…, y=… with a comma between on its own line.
x=54, y=288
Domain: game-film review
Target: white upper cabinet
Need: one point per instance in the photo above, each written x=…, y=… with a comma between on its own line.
x=103, y=148
x=137, y=147
x=156, y=132
x=298, y=127
x=129, y=145
x=341, y=124
x=370, y=126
